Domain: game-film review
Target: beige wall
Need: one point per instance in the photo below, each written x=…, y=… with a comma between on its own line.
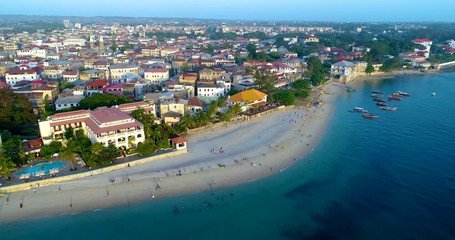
x=50, y=181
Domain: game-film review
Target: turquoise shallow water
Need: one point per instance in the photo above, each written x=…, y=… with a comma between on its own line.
x=390, y=178
x=46, y=167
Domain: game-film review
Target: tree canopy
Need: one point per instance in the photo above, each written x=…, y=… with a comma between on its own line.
x=99, y=100
x=16, y=114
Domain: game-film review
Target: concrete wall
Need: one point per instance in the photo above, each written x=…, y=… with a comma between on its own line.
x=50, y=181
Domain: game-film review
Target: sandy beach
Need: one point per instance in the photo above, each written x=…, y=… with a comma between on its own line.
x=218, y=157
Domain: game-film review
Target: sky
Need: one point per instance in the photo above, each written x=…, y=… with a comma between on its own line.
x=278, y=10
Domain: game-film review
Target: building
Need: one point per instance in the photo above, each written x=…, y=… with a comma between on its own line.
x=74, y=42
x=103, y=125
x=93, y=74
x=189, y=78
x=34, y=52
x=119, y=71
x=95, y=87
x=423, y=47
x=344, y=71
x=68, y=102
x=209, y=91
x=14, y=76
x=156, y=75
x=249, y=98
x=178, y=143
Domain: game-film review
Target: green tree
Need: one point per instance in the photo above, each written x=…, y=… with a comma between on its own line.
x=99, y=100
x=251, y=48
x=69, y=133
x=16, y=114
x=369, y=69
x=7, y=166
x=48, y=150
x=285, y=97
x=301, y=88
x=264, y=80
x=147, y=147
x=14, y=150
x=317, y=79
x=314, y=66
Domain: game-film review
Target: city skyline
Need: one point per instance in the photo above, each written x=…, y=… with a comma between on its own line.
x=286, y=10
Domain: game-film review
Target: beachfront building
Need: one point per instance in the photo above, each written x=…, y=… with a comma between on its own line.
x=247, y=99
x=178, y=143
x=423, y=47
x=103, y=125
x=344, y=71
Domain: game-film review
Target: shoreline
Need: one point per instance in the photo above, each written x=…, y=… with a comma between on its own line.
x=252, y=150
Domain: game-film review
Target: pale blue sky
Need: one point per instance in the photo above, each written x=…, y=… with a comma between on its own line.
x=302, y=10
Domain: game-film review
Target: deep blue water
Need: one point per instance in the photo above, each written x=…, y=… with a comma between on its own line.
x=390, y=178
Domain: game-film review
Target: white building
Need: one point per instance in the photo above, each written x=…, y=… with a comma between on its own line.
x=68, y=102
x=424, y=47
x=156, y=75
x=74, y=42
x=209, y=91
x=16, y=75
x=345, y=70
x=103, y=125
x=34, y=52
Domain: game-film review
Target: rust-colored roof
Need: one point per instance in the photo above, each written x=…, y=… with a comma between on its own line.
x=98, y=83
x=178, y=140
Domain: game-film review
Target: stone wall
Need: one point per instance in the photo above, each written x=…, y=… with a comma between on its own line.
x=50, y=181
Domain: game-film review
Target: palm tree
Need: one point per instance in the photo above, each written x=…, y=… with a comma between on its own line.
x=6, y=167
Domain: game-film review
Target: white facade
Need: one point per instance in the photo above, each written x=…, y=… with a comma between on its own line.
x=74, y=42
x=157, y=75
x=14, y=76
x=68, y=102
x=210, y=91
x=34, y=52
x=103, y=125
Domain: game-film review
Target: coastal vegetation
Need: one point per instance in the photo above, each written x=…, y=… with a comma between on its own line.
x=16, y=114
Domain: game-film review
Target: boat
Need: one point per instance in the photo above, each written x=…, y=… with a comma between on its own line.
x=378, y=100
x=388, y=108
x=375, y=95
x=381, y=104
x=394, y=97
x=403, y=94
x=377, y=92
x=433, y=93
x=370, y=116
x=359, y=109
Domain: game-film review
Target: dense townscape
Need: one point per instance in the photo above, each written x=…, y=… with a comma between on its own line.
x=96, y=91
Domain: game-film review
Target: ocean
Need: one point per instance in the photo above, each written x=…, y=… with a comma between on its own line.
x=388, y=178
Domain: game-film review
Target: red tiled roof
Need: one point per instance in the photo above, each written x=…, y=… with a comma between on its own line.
x=98, y=83
x=156, y=70
x=178, y=140
x=18, y=71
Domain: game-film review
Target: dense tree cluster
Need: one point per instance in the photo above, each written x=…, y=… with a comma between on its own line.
x=16, y=114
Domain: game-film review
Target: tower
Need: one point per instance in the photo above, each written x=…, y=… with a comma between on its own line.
x=102, y=43
x=92, y=42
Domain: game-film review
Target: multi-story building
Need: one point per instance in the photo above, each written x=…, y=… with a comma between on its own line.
x=209, y=91
x=119, y=71
x=14, y=76
x=343, y=70
x=34, y=52
x=103, y=125
x=156, y=75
